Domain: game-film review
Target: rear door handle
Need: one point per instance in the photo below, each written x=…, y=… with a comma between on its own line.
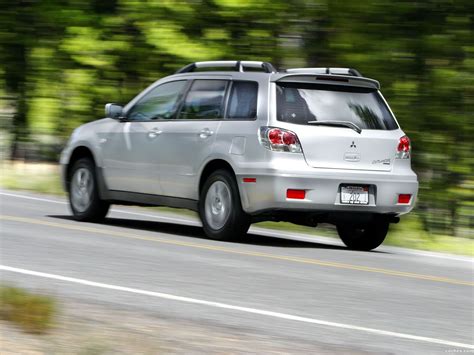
x=205, y=133
x=155, y=132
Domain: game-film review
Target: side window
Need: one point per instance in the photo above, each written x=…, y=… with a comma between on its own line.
x=205, y=100
x=161, y=102
x=243, y=100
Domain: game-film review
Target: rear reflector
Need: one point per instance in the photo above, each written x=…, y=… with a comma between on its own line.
x=404, y=198
x=296, y=194
x=249, y=179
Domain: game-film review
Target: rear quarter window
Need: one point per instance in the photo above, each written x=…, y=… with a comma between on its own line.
x=243, y=100
x=301, y=103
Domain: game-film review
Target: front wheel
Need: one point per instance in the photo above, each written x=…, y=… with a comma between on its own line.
x=220, y=208
x=84, y=199
x=363, y=237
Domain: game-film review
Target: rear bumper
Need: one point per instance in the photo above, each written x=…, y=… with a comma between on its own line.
x=322, y=187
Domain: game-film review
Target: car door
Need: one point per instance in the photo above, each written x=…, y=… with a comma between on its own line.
x=190, y=138
x=133, y=146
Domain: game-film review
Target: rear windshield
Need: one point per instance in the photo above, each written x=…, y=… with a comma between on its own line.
x=301, y=103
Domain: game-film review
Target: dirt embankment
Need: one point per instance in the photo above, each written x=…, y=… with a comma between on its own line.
x=82, y=328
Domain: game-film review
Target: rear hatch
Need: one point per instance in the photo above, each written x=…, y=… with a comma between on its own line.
x=339, y=126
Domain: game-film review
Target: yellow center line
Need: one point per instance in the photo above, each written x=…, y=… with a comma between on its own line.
x=240, y=252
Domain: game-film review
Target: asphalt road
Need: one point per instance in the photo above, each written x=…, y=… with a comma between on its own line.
x=305, y=290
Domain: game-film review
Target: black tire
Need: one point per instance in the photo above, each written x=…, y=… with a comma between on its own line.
x=363, y=237
x=218, y=224
x=92, y=209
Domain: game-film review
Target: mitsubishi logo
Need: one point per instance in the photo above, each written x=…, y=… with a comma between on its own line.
x=353, y=145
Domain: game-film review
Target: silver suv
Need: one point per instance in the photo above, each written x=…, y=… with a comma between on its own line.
x=240, y=142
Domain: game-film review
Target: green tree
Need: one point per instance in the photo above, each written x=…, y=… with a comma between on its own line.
x=61, y=60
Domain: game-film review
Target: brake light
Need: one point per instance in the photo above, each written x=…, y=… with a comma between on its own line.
x=404, y=148
x=289, y=138
x=274, y=135
x=279, y=139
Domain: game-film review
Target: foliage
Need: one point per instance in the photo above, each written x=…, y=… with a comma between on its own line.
x=34, y=313
x=37, y=177
x=60, y=61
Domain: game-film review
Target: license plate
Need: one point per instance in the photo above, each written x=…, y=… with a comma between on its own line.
x=355, y=195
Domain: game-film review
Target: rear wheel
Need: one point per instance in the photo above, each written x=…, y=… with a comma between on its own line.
x=363, y=237
x=84, y=199
x=220, y=208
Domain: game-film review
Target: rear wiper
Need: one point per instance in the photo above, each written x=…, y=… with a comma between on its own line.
x=337, y=124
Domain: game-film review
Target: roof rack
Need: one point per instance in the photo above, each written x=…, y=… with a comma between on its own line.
x=334, y=71
x=238, y=65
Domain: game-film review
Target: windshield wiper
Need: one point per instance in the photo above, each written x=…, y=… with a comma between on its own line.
x=346, y=124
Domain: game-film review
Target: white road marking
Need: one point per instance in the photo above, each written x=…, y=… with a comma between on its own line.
x=237, y=308
x=32, y=198
x=265, y=232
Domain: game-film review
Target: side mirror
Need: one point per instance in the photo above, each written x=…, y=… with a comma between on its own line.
x=113, y=111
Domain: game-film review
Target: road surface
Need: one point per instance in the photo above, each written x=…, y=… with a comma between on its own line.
x=305, y=290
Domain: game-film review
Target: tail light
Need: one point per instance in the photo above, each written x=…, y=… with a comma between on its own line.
x=404, y=148
x=279, y=139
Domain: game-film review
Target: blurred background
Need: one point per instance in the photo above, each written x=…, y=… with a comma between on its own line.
x=62, y=60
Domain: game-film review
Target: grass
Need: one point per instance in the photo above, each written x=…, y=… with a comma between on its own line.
x=410, y=234
x=37, y=177
x=33, y=313
x=45, y=178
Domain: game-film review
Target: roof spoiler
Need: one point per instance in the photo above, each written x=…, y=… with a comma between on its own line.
x=334, y=79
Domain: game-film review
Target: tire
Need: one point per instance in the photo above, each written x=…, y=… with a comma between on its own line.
x=84, y=199
x=365, y=237
x=220, y=208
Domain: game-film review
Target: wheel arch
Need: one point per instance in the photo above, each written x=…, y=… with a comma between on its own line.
x=212, y=166
x=221, y=163
x=80, y=152
x=238, y=218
